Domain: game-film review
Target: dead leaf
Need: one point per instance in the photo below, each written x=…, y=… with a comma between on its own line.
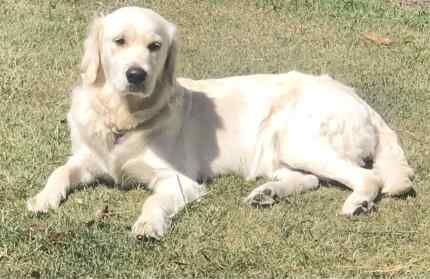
x=378, y=39
x=56, y=236
x=103, y=212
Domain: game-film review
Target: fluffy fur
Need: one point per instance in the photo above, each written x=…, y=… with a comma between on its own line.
x=292, y=128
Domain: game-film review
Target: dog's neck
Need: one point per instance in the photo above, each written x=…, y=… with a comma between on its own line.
x=123, y=113
x=126, y=112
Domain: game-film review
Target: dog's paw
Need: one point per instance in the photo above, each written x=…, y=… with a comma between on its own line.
x=42, y=202
x=262, y=196
x=356, y=205
x=151, y=225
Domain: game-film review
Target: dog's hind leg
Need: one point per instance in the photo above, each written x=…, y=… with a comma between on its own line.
x=79, y=169
x=325, y=162
x=286, y=182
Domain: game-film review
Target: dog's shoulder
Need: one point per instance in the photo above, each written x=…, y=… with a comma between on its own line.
x=86, y=119
x=83, y=108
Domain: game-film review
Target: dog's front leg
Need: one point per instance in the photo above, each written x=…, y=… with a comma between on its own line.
x=171, y=193
x=79, y=169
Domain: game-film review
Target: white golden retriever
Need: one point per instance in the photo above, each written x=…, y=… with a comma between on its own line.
x=131, y=121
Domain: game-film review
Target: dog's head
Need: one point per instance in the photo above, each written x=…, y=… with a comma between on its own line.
x=131, y=50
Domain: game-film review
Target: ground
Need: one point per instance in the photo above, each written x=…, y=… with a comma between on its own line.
x=379, y=47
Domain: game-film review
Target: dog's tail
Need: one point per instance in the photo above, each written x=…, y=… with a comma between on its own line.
x=390, y=161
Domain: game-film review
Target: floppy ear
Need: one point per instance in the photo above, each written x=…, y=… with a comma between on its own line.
x=90, y=65
x=169, y=65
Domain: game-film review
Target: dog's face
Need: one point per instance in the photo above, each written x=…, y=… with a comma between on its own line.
x=130, y=50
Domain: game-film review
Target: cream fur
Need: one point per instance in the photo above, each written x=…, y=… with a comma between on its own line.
x=293, y=128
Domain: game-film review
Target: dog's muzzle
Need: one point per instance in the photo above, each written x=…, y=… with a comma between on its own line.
x=136, y=78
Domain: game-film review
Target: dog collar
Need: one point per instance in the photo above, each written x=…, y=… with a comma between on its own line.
x=118, y=135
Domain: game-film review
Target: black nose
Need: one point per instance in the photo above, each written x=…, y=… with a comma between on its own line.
x=136, y=75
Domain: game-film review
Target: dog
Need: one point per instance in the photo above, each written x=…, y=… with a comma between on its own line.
x=132, y=121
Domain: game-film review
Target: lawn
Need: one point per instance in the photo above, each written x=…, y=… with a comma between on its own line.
x=379, y=47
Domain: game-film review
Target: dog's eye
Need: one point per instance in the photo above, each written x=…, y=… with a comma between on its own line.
x=154, y=46
x=119, y=41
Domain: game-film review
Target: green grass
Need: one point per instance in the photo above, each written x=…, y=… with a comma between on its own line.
x=40, y=48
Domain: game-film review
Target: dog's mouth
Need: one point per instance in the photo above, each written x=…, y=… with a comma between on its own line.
x=136, y=88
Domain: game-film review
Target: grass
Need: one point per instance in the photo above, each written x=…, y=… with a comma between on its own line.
x=40, y=48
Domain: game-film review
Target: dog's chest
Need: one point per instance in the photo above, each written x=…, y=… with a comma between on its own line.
x=111, y=148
